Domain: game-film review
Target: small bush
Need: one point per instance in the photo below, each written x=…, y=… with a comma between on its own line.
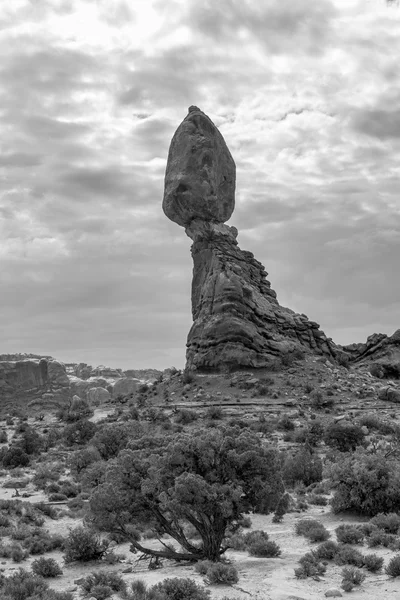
x=380, y=538
x=185, y=416
x=344, y=437
x=349, y=534
x=304, y=466
x=202, y=566
x=281, y=508
x=24, y=585
x=285, y=423
x=327, y=550
x=346, y=555
x=373, y=563
x=15, y=457
x=104, y=579
x=214, y=413
x=310, y=566
x=351, y=577
x=312, y=529
x=46, y=567
x=390, y=523
x=393, y=567
x=317, y=500
x=84, y=545
x=221, y=573
x=176, y=588
x=264, y=549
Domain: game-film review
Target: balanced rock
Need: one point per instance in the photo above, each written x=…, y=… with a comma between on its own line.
x=200, y=174
x=238, y=321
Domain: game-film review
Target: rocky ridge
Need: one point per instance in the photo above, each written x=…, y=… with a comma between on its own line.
x=45, y=381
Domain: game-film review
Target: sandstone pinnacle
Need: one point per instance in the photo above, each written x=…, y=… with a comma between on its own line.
x=237, y=319
x=200, y=174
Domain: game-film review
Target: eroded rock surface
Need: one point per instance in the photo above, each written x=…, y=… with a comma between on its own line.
x=33, y=379
x=200, y=174
x=238, y=321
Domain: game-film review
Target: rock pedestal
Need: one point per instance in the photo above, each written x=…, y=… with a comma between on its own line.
x=237, y=320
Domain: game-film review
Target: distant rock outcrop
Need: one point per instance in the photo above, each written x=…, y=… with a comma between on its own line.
x=238, y=321
x=34, y=379
x=382, y=350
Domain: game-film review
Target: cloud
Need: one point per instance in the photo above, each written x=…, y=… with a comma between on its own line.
x=305, y=96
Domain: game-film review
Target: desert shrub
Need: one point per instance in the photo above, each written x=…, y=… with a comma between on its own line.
x=15, y=457
x=30, y=441
x=368, y=484
x=110, y=440
x=213, y=413
x=380, y=538
x=221, y=573
x=235, y=541
x=285, y=423
x=264, y=548
x=349, y=534
x=202, y=566
x=281, y=508
x=346, y=555
x=79, y=432
x=351, y=576
x=343, y=360
x=327, y=550
x=46, y=509
x=393, y=567
x=23, y=585
x=81, y=459
x=312, y=529
x=69, y=488
x=318, y=400
x=38, y=541
x=373, y=562
x=188, y=376
x=46, y=567
x=83, y=545
x=390, y=523
x=77, y=410
x=343, y=436
x=17, y=553
x=371, y=421
x=45, y=474
x=310, y=566
x=94, y=475
x=185, y=416
x=108, y=579
x=317, y=500
x=176, y=588
x=314, y=433
x=304, y=466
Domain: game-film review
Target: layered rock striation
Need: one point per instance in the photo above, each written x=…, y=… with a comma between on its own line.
x=237, y=320
x=34, y=379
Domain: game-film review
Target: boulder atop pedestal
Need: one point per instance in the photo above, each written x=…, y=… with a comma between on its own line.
x=200, y=174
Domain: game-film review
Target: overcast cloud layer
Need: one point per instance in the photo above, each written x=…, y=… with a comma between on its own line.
x=307, y=96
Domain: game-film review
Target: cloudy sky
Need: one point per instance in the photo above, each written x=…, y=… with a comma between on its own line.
x=307, y=96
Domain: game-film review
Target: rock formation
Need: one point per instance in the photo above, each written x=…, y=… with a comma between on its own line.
x=382, y=350
x=237, y=320
x=33, y=380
